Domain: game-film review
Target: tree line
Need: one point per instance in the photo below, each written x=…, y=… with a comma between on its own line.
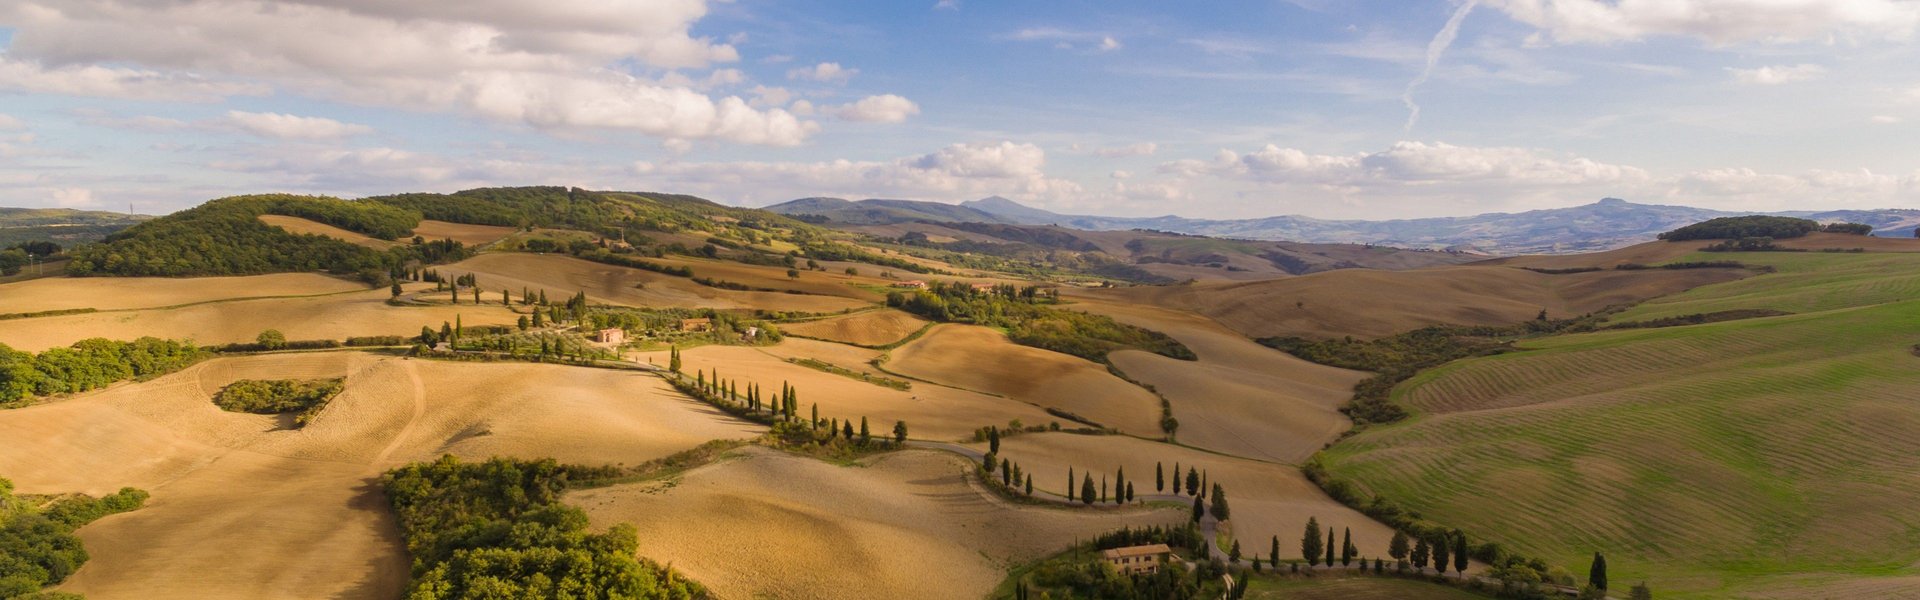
x=89, y=364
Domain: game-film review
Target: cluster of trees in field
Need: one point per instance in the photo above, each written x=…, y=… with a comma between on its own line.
x=275, y=396
x=37, y=545
x=1758, y=226
x=497, y=529
x=1079, y=573
x=18, y=256
x=226, y=237
x=811, y=434
x=1028, y=320
x=1752, y=226
x=89, y=364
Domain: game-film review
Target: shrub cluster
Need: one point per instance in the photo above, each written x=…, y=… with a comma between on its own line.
x=275, y=396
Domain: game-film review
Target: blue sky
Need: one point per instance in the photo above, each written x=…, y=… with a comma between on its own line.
x=1230, y=109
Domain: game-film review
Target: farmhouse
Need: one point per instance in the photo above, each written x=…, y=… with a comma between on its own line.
x=1137, y=559
x=696, y=324
x=915, y=284
x=610, y=335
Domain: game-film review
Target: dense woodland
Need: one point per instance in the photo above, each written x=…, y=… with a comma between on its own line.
x=497, y=529
x=226, y=237
x=1754, y=226
x=1025, y=315
x=37, y=545
x=89, y=364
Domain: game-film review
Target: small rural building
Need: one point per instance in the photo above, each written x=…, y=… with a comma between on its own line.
x=983, y=287
x=750, y=334
x=1137, y=559
x=610, y=335
x=696, y=324
x=915, y=284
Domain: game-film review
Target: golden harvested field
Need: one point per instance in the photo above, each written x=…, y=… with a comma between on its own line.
x=1240, y=397
x=832, y=282
x=308, y=227
x=563, y=276
x=904, y=525
x=332, y=317
x=931, y=411
x=471, y=235
x=1368, y=303
x=981, y=359
x=1267, y=499
x=872, y=328
x=242, y=508
x=114, y=293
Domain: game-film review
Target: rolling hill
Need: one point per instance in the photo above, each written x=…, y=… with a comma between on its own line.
x=63, y=226
x=1603, y=225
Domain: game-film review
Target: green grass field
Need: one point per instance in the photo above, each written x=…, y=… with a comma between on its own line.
x=1735, y=459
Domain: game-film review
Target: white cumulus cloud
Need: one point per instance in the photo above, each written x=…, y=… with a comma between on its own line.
x=284, y=126
x=878, y=109
x=545, y=65
x=1719, y=22
x=826, y=72
x=1776, y=75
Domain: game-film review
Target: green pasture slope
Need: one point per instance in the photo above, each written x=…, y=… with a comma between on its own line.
x=1771, y=457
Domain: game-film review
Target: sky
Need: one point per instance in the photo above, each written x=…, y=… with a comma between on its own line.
x=1368, y=109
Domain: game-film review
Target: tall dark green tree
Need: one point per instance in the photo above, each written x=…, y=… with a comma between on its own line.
x=1233, y=556
x=865, y=436
x=1070, y=486
x=1398, y=547
x=1193, y=481
x=1346, y=547
x=1199, y=512
x=1220, y=503
x=1442, y=551
x=899, y=427
x=1597, y=574
x=1310, y=542
x=1273, y=556
x=1419, y=554
x=1086, y=489
x=1159, y=478
x=1029, y=484
x=993, y=439
x=1460, y=552
x=1119, y=484
x=1006, y=472
x=1329, y=546
x=1129, y=491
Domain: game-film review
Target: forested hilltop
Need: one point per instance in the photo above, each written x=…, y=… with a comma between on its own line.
x=227, y=237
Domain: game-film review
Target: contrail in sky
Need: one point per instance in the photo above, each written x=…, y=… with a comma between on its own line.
x=1434, y=49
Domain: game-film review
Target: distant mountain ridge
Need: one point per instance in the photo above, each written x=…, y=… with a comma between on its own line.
x=1607, y=224
x=65, y=226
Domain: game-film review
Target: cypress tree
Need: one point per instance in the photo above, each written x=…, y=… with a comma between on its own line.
x=847, y=429
x=1329, y=546
x=1273, y=556
x=1129, y=491
x=1346, y=547
x=993, y=439
x=1419, y=554
x=1310, y=542
x=1159, y=478
x=1220, y=504
x=814, y=423
x=1086, y=489
x=1441, y=549
x=1199, y=511
x=864, y=435
x=1006, y=472
x=1029, y=484
x=899, y=429
x=1069, y=484
x=1597, y=574
x=1119, y=481
x=1233, y=556
x=1103, y=489
x=1193, y=481
x=1460, y=552
x=1398, y=547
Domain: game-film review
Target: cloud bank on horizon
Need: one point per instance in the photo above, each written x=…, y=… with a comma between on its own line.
x=1366, y=109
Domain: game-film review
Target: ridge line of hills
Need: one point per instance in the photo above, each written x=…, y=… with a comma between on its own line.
x=1604, y=225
